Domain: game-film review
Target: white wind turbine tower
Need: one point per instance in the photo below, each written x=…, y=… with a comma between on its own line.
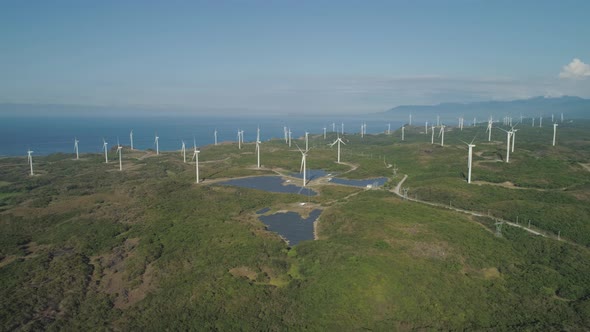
x=554, y=132
x=258, y=153
x=257, y=134
x=410, y=123
x=119, y=149
x=403, y=133
x=333, y=127
x=338, y=140
x=183, y=148
x=342, y=128
x=285, y=133
x=489, y=129
x=469, y=159
x=131, y=138
x=540, y=121
x=196, y=158
x=104, y=147
x=306, y=141
x=362, y=130
x=76, y=148
x=426, y=128
x=388, y=128
x=438, y=120
x=552, y=117
x=508, y=135
x=561, y=117
x=533, y=122
x=303, y=165
x=324, y=132
x=442, y=134
x=30, y=160
x=157, y=142
x=214, y=136
x=432, y=132
x=289, y=137
x=239, y=139
x=513, y=137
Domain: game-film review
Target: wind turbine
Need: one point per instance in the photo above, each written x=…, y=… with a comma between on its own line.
x=183, y=148
x=489, y=129
x=554, y=132
x=403, y=133
x=561, y=117
x=338, y=140
x=257, y=134
x=508, y=135
x=76, y=148
x=362, y=130
x=119, y=149
x=324, y=132
x=214, y=136
x=426, y=128
x=469, y=159
x=513, y=136
x=442, y=134
x=239, y=139
x=30, y=160
x=196, y=158
x=156, y=141
x=541, y=121
x=131, y=138
x=306, y=141
x=258, y=153
x=388, y=128
x=289, y=137
x=303, y=164
x=104, y=147
x=333, y=127
x=432, y=138
x=286, y=134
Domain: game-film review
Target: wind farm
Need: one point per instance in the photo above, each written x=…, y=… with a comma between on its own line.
x=374, y=166
x=450, y=191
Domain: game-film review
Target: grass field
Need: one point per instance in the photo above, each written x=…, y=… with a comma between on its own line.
x=86, y=247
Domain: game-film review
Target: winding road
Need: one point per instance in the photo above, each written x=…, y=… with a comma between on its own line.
x=473, y=213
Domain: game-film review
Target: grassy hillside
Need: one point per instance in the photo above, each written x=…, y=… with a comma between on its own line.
x=84, y=246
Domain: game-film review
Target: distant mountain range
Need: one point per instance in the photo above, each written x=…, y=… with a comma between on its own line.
x=570, y=106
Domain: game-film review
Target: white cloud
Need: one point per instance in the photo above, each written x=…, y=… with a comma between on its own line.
x=575, y=70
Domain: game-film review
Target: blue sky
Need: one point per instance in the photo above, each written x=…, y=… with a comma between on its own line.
x=290, y=56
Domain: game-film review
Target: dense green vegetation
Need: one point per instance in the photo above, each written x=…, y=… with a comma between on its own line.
x=86, y=247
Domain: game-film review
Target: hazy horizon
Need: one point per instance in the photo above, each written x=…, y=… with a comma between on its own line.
x=315, y=57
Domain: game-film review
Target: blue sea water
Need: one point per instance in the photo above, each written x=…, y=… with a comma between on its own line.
x=46, y=135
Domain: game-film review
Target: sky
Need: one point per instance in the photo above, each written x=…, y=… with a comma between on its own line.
x=328, y=57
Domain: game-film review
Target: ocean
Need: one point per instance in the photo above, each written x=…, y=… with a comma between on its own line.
x=46, y=135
